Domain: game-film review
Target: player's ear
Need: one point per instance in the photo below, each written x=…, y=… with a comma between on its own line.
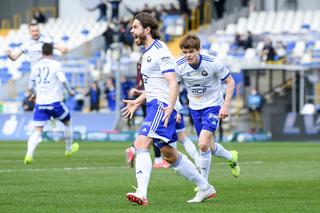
x=147, y=30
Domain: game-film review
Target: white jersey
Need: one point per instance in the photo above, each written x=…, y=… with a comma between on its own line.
x=203, y=82
x=156, y=61
x=47, y=77
x=33, y=48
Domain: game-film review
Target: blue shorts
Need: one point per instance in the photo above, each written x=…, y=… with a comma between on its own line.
x=207, y=119
x=43, y=113
x=180, y=127
x=153, y=124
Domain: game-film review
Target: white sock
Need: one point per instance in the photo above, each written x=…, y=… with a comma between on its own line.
x=187, y=169
x=191, y=150
x=33, y=141
x=143, y=170
x=220, y=151
x=205, y=163
x=158, y=160
x=68, y=136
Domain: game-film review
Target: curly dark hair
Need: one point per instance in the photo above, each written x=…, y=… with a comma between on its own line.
x=147, y=20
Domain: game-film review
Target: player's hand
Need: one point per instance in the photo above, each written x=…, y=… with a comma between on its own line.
x=72, y=93
x=8, y=52
x=167, y=112
x=133, y=92
x=178, y=118
x=224, y=112
x=32, y=97
x=129, y=109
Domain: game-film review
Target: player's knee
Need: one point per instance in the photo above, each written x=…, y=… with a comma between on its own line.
x=170, y=155
x=181, y=137
x=203, y=147
x=140, y=145
x=67, y=122
x=169, y=158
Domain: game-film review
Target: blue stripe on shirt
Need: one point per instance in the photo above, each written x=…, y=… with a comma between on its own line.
x=159, y=44
x=180, y=62
x=225, y=77
x=182, y=59
x=170, y=70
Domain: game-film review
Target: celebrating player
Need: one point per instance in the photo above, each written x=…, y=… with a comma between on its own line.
x=161, y=91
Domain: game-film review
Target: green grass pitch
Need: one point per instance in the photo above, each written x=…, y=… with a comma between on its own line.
x=275, y=177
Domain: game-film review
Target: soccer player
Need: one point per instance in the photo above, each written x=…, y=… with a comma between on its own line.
x=135, y=92
x=46, y=76
x=32, y=46
x=202, y=75
x=161, y=91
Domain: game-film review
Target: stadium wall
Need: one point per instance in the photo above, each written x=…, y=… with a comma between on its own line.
x=19, y=126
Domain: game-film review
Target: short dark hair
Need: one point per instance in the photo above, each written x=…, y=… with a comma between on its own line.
x=190, y=41
x=47, y=49
x=147, y=20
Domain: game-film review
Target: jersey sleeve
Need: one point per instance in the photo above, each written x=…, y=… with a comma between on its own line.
x=60, y=75
x=166, y=62
x=222, y=71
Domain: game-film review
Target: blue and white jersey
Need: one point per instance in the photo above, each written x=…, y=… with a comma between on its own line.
x=33, y=48
x=203, y=82
x=156, y=61
x=47, y=77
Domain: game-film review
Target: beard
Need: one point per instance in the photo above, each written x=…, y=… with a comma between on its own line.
x=141, y=40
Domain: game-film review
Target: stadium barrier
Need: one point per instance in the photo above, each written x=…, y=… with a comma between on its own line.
x=92, y=125
x=295, y=127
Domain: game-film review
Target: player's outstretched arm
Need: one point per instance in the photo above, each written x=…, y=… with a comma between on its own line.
x=62, y=49
x=13, y=56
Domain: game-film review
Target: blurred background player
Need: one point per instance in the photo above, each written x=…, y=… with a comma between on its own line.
x=202, y=76
x=161, y=91
x=32, y=46
x=39, y=17
x=103, y=8
x=255, y=103
x=46, y=79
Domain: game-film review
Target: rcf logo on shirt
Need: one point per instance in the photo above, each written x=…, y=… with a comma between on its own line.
x=149, y=59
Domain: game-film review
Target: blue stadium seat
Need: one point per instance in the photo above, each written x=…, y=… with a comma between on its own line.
x=290, y=46
x=85, y=32
x=65, y=38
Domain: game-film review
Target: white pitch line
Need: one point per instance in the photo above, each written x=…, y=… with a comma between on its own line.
x=97, y=168
x=62, y=169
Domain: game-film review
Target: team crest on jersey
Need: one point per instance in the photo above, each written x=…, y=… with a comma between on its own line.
x=149, y=59
x=204, y=73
